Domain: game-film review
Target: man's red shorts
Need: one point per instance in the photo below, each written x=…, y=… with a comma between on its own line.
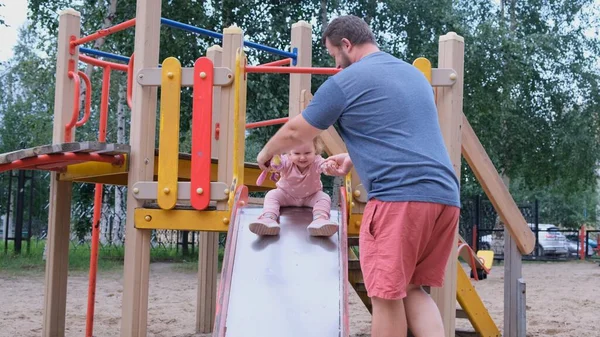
x=405, y=243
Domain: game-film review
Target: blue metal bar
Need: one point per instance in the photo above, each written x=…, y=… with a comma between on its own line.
x=202, y=31
x=103, y=54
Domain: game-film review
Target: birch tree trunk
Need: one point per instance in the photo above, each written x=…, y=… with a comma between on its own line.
x=119, y=218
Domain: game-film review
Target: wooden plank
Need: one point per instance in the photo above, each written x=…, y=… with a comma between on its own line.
x=215, y=53
x=182, y=219
x=151, y=77
x=301, y=42
x=207, y=281
x=232, y=41
x=449, y=101
x=147, y=190
x=239, y=117
x=94, y=147
x=521, y=308
x=471, y=303
x=142, y=137
x=59, y=217
x=514, y=304
x=494, y=188
x=168, y=144
x=201, y=134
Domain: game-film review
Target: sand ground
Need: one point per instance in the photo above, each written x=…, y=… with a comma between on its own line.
x=563, y=299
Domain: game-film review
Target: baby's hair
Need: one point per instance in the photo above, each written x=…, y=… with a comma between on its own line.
x=319, y=146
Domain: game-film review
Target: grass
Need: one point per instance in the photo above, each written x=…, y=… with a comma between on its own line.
x=110, y=258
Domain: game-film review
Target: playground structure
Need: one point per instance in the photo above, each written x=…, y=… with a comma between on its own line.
x=207, y=190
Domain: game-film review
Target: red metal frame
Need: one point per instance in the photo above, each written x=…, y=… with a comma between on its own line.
x=276, y=63
x=130, y=81
x=291, y=70
x=75, y=114
x=267, y=123
x=103, y=32
x=202, y=107
x=101, y=63
x=88, y=99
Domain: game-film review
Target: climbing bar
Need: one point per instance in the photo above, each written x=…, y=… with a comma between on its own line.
x=130, y=81
x=202, y=31
x=75, y=114
x=276, y=63
x=104, y=32
x=292, y=70
x=202, y=106
x=168, y=146
x=49, y=159
x=101, y=63
x=100, y=53
x=88, y=99
x=267, y=123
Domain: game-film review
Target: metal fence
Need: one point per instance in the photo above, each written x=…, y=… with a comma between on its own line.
x=482, y=228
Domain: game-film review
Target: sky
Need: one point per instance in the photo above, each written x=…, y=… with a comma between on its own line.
x=14, y=13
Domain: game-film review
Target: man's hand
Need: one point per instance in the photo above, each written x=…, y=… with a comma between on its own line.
x=337, y=165
x=263, y=159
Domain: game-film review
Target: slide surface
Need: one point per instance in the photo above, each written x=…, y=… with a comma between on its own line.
x=287, y=285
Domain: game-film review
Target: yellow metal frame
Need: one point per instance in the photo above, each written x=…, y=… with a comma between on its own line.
x=182, y=219
x=168, y=141
x=471, y=303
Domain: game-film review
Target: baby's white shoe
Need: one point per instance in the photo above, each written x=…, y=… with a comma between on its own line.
x=266, y=224
x=322, y=227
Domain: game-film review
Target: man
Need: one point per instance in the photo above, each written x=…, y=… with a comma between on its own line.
x=388, y=119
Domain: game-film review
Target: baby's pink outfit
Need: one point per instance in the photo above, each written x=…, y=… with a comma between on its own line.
x=298, y=189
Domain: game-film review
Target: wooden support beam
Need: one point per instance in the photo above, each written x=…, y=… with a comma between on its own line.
x=449, y=101
x=494, y=188
x=59, y=217
x=301, y=42
x=141, y=168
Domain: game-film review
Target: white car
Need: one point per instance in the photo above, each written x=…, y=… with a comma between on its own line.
x=551, y=241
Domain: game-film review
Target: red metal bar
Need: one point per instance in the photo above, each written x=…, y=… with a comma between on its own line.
x=89, y=323
x=292, y=70
x=130, y=82
x=202, y=106
x=104, y=32
x=65, y=157
x=71, y=124
x=276, y=63
x=88, y=99
x=267, y=123
x=101, y=63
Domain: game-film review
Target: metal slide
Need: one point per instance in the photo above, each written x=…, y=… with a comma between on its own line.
x=283, y=286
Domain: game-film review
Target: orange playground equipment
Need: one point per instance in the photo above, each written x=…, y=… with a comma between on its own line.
x=207, y=190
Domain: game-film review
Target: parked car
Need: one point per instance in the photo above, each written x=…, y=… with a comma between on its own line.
x=551, y=241
x=573, y=245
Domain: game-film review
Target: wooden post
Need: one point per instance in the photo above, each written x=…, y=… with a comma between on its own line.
x=302, y=43
x=209, y=241
x=514, y=286
x=59, y=218
x=141, y=168
x=232, y=41
x=450, y=104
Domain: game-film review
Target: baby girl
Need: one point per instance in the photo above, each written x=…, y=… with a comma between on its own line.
x=299, y=185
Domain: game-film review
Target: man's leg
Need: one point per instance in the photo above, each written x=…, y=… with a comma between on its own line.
x=422, y=314
x=389, y=319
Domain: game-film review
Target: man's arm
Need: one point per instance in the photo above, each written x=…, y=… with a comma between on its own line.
x=296, y=131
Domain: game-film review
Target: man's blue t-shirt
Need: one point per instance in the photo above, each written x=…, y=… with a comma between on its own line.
x=388, y=119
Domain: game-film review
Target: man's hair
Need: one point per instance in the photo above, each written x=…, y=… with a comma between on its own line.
x=350, y=27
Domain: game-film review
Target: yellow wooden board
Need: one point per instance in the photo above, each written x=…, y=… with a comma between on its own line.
x=182, y=219
x=168, y=145
x=424, y=65
x=471, y=303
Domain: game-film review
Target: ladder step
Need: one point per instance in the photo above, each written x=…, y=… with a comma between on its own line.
x=353, y=241
x=353, y=265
